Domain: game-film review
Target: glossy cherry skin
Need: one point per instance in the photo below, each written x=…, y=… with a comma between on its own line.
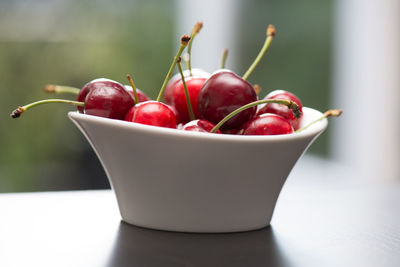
x=176, y=97
x=283, y=110
x=223, y=93
x=88, y=87
x=199, y=126
x=267, y=124
x=152, y=113
x=142, y=97
x=105, y=98
x=177, y=77
x=174, y=94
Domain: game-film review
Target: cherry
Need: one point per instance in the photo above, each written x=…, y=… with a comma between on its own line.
x=110, y=99
x=175, y=93
x=281, y=109
x=273, y=124
x=152, y=113
x=267, y=124
x=199, y=126
x=223, y=93
x=290, y=104
x=106, y=98
x=87, y=88
x=112, y=95
x=100, y=97
x=138, y=95
x=177, y=77
x=184, y=100
x=142, y=97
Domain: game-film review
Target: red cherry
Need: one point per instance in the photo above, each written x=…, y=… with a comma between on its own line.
x=106, y=98
x=283, y=110
x=100, y=97
x=87, y=88
x=223, y=93
x=186, y=73
x=267, y=124
x=142, y=97
x=199, y=126
x=129, y=114
x=175, y=96
x=152, y=113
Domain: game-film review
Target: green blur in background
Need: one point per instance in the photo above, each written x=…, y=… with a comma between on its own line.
x=71, y=42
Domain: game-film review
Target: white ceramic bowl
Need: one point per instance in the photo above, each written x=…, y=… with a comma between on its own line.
x=176, y=180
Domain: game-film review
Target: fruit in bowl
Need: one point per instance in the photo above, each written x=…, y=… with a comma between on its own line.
x=189, y=181
x=204, y=161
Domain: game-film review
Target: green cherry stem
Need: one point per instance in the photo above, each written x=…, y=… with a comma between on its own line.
x=184, y=41
x=186, y=60
x=270, y=36
x=18, y=111
x=130, y=80
x=223, y=59
x=329, y=113
x=189, y=105
x=290, y=104
x=52, y=88
x=196, y=29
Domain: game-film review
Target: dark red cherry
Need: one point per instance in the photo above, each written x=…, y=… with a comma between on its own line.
x=142, y=97
x=106, y=98
x=267, y=124
x=152, y=113
x=283, y=110
x=100, y=97
x=223, y=93
x=87, y=88
x=175, y=96
x=199, y=126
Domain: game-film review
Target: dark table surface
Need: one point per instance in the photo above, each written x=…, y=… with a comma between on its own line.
x=324, y=217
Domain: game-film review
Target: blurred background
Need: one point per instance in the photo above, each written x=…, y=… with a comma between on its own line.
x=332, y=54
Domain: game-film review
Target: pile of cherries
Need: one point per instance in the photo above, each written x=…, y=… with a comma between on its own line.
x=194, y=100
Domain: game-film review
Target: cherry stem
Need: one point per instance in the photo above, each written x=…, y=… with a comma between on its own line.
x=329, y=113
x=257, y=89
x=186, y=60
x=52, y=88
x=130, y=80
x=270, y=36
x=196, y=29
x=184, y=41
x=189, y=105
x=223, y=59
x=290, y=104
x=18, y=111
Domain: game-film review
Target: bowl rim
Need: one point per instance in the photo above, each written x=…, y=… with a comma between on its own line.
x=148, y=129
